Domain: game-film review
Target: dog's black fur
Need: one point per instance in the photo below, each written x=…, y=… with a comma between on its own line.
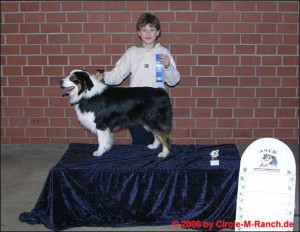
x=116, y=108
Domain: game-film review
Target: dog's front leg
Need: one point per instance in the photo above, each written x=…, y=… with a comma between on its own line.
x=105, y=140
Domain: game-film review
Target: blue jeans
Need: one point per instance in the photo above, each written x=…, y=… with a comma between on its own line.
x=140, y=136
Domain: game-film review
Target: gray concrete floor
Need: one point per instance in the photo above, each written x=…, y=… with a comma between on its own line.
x=24, y=169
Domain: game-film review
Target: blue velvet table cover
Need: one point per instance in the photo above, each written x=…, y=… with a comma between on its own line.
x=131, y=186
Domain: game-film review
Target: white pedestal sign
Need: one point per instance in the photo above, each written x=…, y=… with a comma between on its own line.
x=266, y=188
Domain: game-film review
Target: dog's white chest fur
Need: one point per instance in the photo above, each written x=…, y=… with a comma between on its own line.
x=87, y=119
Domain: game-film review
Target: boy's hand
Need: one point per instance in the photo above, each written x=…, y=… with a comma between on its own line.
x=165, y=60
x=99, y=74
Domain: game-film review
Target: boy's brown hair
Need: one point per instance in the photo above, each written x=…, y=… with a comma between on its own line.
x=147, y=18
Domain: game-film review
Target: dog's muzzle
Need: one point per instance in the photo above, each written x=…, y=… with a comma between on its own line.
x=66, y=90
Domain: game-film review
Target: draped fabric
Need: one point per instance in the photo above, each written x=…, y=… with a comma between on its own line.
x=131, y=186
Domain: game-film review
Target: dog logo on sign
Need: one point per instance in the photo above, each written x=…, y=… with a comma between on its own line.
x=268, y=161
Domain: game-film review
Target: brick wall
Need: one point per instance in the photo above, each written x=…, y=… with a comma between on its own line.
x=238, y=63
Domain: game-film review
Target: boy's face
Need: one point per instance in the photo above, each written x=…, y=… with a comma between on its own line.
x=148, y=34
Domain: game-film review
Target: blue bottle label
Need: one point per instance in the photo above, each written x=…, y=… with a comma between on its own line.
x=159, y=69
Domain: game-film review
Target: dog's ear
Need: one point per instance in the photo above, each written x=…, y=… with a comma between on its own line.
x=88, y=82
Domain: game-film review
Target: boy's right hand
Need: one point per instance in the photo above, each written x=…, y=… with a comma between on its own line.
x=99, y=74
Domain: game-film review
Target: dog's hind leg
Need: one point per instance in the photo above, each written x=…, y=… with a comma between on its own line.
x=105, y=140
x=163, y=139
x=155, y=144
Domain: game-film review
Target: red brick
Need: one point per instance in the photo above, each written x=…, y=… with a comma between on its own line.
x=229, y=17
x=185, y=102
x=202, y=5
x=247, y=123
x=13, y=132
x=223, y=6
x=72, y=28
x=247, y=133
x=228, y=102
x=265, y=92
x=272, y=39
x=250, y=39
x=223, y=91
x=272, y=17
x=268, y=123
x=245, y=49
x=248, y=102
x=180, y=133
x=72, y=6
x=185, y=16
x=244, y=28
x=50, y=6
x=56, y=17
x=290, y=81
x=158, y=5
x=288, y=6
x=136, y=5
x=206, y=123
x=228, y=81
x=201, y=112
x=243, y=112
x=57, y=39
x=209, y=38
x=244, y=92
x=251, y=17
x=9, y=6
x=222, y=113
x=201, y=28
x=285, y=133
x=267, y=6
x=223, y=27
x=269, y=102
x=208, y=60
x=206, y=102
x=184, y=123
x=201, y=133
x=222, y=133
x=244, y=71
x=223, y=49
x=180, y=27
x=223, y=71
x=39, y=122
x=202, y=92
x=29, y=6
x=56, y=132
x=226, y=123
x=270, y=81
x=291, y=39
x=287, y=71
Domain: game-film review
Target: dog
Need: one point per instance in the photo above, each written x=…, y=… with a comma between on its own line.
x=105, y=109
x=268, y=161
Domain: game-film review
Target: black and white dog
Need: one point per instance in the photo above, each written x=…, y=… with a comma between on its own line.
x=104, y=109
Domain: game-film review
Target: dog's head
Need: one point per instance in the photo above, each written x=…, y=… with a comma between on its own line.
x=268, y=160
x=76, y=84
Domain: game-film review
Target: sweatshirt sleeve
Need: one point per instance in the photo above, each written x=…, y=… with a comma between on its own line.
x=119, y=72
x=172, y=76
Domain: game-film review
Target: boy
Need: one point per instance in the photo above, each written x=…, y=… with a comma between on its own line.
x=141, y=63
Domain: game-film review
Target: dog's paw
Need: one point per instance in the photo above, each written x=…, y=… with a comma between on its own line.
x=98, y=153
x=153, y=146
x=163, y=154
x=101, y=151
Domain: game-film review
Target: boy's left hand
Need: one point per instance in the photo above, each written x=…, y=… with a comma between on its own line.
x=165, y=60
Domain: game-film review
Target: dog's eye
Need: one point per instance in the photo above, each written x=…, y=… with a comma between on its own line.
x=73, y=78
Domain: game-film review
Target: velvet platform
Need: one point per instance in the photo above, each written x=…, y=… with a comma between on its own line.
x=131, y=186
